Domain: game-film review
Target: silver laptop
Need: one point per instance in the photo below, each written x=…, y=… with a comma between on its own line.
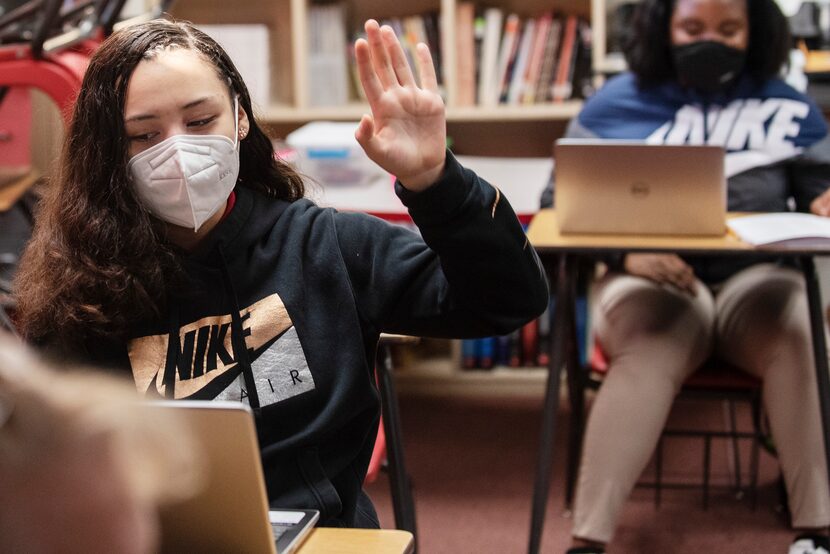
x=626, y=187
x=231, y=513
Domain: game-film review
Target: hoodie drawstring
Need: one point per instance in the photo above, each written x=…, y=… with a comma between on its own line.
x=240, y=350
x=173, y=348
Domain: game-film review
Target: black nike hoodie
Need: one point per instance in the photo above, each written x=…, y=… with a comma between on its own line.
x=284, y=306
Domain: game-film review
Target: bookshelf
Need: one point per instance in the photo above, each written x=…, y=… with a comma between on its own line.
x=504, y=130
x=475, y=130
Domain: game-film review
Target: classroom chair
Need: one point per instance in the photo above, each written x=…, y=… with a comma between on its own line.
x=389, y=443
x=714, y=380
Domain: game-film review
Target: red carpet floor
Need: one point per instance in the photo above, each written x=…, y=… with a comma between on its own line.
x=472, y=464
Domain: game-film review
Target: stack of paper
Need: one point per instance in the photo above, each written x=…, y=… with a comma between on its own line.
x=780, y=227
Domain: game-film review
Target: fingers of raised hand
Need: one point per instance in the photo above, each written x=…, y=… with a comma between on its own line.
x=400, y=65
x=368, y=78
x=365, y=131
x=380, y=57
x=428, y=79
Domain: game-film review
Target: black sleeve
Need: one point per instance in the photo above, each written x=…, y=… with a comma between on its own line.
x=472, y=272
x=810, y=174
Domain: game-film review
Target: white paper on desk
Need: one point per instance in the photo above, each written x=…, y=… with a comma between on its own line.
x=778, y=227
x=521, y=180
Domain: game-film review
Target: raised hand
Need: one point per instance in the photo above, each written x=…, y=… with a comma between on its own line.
x=406, y=131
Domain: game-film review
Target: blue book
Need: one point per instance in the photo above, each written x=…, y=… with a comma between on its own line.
x=468, y=353
x=485, y=350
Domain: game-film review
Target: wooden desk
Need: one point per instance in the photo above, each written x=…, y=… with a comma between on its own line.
x=560, y=251
x=325, y=540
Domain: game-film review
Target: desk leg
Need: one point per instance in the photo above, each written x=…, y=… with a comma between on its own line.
x=561, y=334
x=819, y=348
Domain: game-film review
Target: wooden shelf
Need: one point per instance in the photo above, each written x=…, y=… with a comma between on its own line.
x=353, y=112
x=443, y=377
x=534, y=112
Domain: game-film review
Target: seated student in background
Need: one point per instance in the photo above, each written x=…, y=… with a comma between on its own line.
x=174, y=245
x=706, y=71
x=83, y=466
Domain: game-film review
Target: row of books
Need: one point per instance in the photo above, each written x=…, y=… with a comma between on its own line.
x=526, y=347
x=504, y=59
x=328, y=62
x=410, y=30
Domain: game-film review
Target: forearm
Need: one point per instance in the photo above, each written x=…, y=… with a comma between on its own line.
x=492, y=271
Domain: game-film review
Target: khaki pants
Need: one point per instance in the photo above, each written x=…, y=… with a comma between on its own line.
x=654, y=337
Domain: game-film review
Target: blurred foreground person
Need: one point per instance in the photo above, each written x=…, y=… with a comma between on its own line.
x=83, y=466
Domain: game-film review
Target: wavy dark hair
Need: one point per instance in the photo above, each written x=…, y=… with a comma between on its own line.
x=97, y=261
x=648, y=50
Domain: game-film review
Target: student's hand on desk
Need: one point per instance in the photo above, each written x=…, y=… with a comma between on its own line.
x=662, y=268
x=406, y=132
x=821, y=205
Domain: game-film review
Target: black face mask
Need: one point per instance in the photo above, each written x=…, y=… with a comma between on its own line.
x=707, y=66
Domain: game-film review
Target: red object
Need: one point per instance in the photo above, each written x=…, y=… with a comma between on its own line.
x=378, y=456
x=58, y=75
x=15, y=128
x=530, y=342
x=229, y=206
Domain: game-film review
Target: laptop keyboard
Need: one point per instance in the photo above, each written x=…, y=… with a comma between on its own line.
x=280, y=529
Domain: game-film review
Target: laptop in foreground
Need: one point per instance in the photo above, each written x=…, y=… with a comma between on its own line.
x=627, y=187
x=231, y=513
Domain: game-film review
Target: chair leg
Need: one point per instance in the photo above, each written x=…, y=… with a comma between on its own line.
x=575, y=435
x=576, y=393
x=707, y=451
x=753, y=473
x=756, y=450
x=658, y=474
x=402, y=501
x=736, y=450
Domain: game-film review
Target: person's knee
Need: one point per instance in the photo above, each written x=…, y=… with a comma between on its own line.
x=773, y=310
x=633, y=307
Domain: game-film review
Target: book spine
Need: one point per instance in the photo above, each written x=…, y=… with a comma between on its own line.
x=468, y=353
x=465, y=54
x=517, y=77
x=432, y=29
x=534, y=65
x=485, y=351
x=507, y=52
x=489, y=56
x=530, y=342
x=562, y=86
x=549, y=62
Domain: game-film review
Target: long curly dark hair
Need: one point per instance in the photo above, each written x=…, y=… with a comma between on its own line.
x=97, y=261
x=648, y=52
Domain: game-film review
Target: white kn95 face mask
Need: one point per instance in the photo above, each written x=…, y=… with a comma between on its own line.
x=185, y=179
